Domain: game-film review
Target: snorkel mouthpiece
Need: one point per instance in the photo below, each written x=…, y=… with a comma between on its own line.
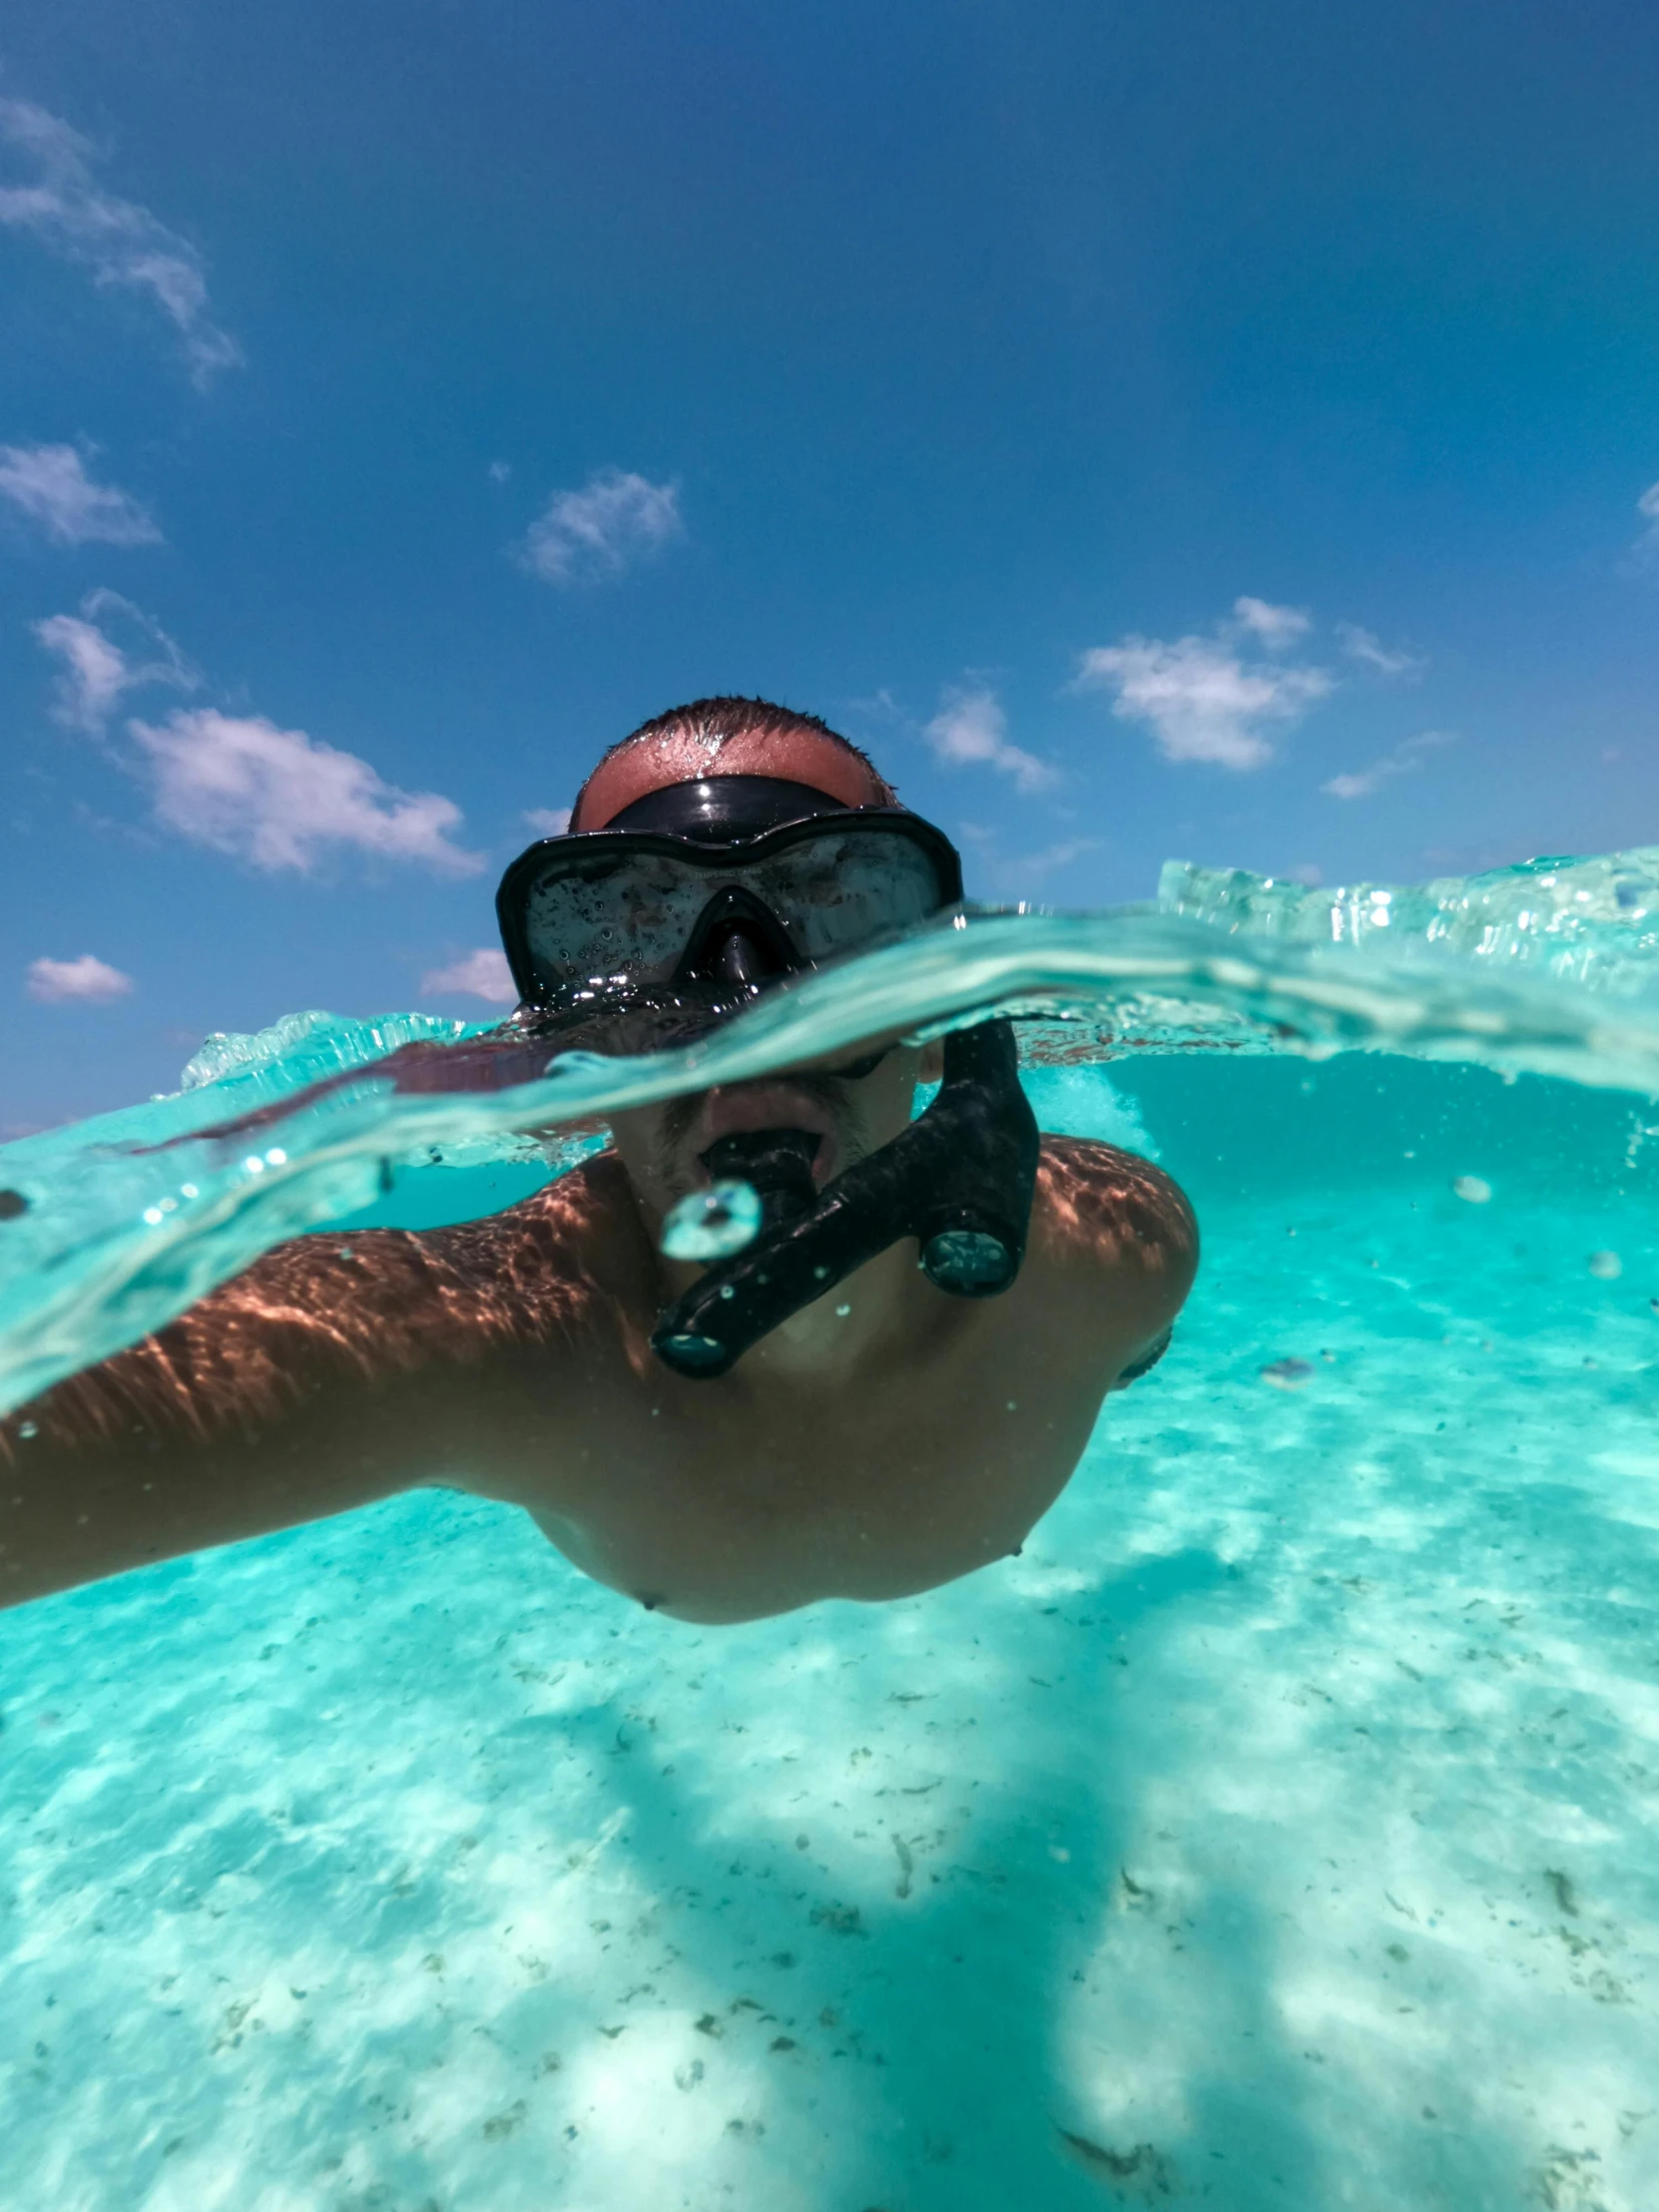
x=777, y=1162
x=959, y=1180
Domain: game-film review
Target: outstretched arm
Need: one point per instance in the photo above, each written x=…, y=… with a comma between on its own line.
x=337, y=1371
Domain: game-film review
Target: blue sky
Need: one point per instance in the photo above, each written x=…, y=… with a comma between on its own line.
x=1159, y=429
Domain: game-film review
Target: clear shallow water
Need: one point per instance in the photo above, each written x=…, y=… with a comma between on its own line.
x=1275, y=1831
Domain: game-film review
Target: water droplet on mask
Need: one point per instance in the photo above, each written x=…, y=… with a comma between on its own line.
x=712, y=1224
x=1607, y=1264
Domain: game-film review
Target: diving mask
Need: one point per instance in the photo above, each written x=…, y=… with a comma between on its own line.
x=727, y=883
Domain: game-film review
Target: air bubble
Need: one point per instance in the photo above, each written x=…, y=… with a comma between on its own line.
x=1607, y=1267
x=712, y=1224
x=1473, y=1188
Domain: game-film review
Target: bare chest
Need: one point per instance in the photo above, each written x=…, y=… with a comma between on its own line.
x=721, y=1506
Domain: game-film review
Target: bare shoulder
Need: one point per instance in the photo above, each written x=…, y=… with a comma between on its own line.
x=1115, y=1217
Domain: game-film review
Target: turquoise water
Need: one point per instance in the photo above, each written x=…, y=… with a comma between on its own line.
x=1274, y=1831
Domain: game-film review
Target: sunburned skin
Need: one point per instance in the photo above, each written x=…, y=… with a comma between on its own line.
x=882, y=1440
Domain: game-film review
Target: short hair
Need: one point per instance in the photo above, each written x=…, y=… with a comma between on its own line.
x=712, y=721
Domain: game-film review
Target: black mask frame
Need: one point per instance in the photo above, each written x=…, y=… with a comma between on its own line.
x=721, y=827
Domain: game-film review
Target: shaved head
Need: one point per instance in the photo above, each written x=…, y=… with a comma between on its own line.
x=729, y=737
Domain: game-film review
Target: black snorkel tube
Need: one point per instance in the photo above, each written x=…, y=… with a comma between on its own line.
x=960, y=1180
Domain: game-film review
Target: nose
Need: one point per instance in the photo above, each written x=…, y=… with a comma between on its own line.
x=739, y=955
x=739, y=943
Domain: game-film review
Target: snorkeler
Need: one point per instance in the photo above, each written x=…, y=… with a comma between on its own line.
x=883, y=1389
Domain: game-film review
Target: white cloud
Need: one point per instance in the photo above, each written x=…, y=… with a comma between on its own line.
x=96, y=672
x=548, y=821
x=89, y=979
x=279, y=799
x=61, y=203
x=1365, y=782
x=1648, y=508
x=499, y=471
x=481, y=975
x=588, y=536
x=1364, y=645
x=50, y=484
x=276, y=798
x=970, y=731
x=1200, y=698
x=1277, y=627
x=1028, y=869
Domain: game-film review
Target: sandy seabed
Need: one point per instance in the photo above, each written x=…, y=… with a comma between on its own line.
x=1275, y=1831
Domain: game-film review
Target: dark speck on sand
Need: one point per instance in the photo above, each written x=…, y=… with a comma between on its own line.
x=1288, y=1375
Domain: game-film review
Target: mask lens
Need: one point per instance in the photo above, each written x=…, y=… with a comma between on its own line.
x=616, y=916
x=626, y=913
x=841, y=889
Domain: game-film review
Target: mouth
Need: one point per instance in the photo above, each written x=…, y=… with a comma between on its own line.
x=745, y=1108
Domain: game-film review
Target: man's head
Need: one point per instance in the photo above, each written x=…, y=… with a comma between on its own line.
x=852, y=1114
x=728, y=737
x=722, y=848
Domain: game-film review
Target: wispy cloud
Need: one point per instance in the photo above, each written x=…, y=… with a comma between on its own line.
x=1025, y=871
x=59, y=202
x=547, y=821
x=482, y=974
x=1018, y=873
x=1277, y=627
x=1056, y=856
x=1200, y=697
x=1365, y=782
x=275, y=798
x=50, y=484
x=280, y=800
x=88, y=979
x=595, y=534
x=970, y=731
x=1648, y=508
x=1364, y=645
x=97, y=673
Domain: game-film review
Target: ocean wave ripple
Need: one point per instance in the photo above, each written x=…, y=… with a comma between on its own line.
x=112, y=1227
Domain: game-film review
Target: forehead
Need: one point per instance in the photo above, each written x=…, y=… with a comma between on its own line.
x=800, y=757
